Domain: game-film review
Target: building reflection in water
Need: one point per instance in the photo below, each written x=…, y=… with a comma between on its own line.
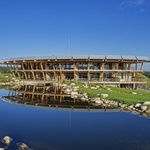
x=46, y=95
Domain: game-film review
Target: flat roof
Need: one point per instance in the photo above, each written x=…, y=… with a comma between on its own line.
x=79, y=57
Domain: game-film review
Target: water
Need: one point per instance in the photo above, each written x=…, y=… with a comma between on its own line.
x=48, y=128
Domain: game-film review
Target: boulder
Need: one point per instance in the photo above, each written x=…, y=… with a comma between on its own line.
x=106, y=101
x=123, y=106
x=148, y=111
x=93, y=88
x=104, y=95
x=72, y=84
x=7, y=140
x=22, y=146
x=143, y=108
x=134, y=93
x=137, y=105
x=74, y=93
x=146, y=103
x=82, y=98
x=67, y=91
x=131, y=106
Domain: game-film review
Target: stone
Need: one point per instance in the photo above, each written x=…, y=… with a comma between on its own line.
x=72, y=84
x=74, y=93
x=98, y=102
x=137, y=105
x=119, y=104
x=148, y=111
x=106, y=101
x=131, y=106
x=93, y=88
x=104, y=95
x=82, y=99
x=134, y=93
x=64, y=85
x=96, y=98
x=123, y=106
x=116, y=103
x=23, y=146
x=7, y=140
x=146, y=103
x=143, y=108
x=67, y=91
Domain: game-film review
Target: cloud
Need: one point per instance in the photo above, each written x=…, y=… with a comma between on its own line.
x=135, y=2
x=140, y=5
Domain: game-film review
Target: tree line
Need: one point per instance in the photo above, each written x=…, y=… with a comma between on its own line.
x=4, y=69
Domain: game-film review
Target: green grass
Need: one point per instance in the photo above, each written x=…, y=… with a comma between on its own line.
x=119, y=94
x=6, y=77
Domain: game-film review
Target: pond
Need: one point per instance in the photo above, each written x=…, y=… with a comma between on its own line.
x=56, y=126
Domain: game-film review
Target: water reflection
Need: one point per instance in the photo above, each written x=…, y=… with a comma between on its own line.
x=47, y=95
x=51, y=129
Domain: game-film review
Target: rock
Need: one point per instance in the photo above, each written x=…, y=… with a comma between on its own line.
x=64, y=85
x=22, y=146
x=123, y=106
x=74, y=96
x=119, y=104
x=134, y=93
x=74, y=93
x=116, y=103
x=93, y=88
x=67, y=91
x=143, y=108
x=104, y=95
x=137, y=105
x=148, y=111
x=131, y=106
x=82, y=99
x=7, y=140
x=97, y=100
x=72, y=84
x=106, y=101
x=146, y=103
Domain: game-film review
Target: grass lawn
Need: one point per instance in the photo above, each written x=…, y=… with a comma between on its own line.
x=5, y=77
x=119, y=94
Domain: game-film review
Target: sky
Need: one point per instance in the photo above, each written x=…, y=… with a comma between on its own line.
x=74, y=27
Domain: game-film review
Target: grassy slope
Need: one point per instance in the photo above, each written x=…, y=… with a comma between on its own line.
x=5, y=77
x=119, y=94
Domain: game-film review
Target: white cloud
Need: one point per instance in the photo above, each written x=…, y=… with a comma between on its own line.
x=135, y=2
x=140, y=5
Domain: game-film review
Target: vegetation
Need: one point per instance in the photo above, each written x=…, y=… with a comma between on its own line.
x=4, y=69
x=5, y=77
x=147, y=74
x=124, y=95
x=127, y=96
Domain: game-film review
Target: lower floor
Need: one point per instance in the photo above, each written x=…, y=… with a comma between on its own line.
x=123, y=79
x=85, y=75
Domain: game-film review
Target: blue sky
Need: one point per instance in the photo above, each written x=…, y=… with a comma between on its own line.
x=94, y=27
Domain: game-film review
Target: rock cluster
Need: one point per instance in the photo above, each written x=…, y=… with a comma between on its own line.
x=12, y=82
x=101, y=100
x=7, y=143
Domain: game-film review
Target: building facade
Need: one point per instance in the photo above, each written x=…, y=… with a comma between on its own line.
x=110, y=69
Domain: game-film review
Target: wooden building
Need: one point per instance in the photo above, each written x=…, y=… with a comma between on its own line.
x=124, y=71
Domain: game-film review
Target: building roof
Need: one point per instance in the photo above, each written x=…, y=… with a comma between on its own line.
x=82, y=57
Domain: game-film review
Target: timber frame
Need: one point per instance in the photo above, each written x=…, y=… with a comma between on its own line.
x=124, y=71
